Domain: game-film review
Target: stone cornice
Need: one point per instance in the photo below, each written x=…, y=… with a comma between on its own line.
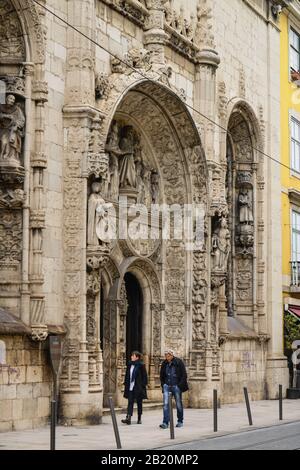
x=294, y=196
x=131, y=9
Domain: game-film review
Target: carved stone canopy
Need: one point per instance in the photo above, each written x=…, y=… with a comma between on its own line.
x=14, y=85
x=9, y=324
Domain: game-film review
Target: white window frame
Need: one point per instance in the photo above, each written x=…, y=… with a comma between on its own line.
x=295, y=229
x=291, y=47
x=294, y=117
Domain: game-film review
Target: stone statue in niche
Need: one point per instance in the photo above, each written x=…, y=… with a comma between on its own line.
x=245, y=207
x=155, y=187
x=114, y=151
x=127, y=167
x=12, y=123
x=140, y=181
x=147, y=186
x=221, y=246
x=99, y=226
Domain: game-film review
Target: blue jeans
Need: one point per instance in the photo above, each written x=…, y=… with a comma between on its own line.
x=177, y=394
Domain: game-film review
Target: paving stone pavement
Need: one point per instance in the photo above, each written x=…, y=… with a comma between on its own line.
x=198, y=424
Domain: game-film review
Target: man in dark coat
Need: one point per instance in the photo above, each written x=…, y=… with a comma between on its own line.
x=173, y=379
x=136, y=381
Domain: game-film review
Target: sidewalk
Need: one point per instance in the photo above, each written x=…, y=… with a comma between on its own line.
x=198, y=424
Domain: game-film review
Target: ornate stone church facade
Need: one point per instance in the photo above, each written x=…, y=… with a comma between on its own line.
x=182, y=110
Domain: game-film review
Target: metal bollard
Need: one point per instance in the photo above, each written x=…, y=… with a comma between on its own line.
x=172, y=431
x=215, y=407
x=115, y=424
x=53, y=425
x=248, y=406
x=280, y=403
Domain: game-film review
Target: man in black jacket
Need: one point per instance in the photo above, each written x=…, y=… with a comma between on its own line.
x=173, y=379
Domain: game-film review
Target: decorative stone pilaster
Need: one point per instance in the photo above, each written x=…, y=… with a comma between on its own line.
x=81, y=386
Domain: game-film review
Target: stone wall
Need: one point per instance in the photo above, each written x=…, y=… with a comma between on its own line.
x=244, y=365
x=25, y=385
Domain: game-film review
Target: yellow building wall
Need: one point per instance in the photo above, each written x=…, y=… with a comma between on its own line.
x=290, y=100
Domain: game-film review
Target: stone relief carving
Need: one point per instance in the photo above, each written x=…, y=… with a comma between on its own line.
x=242, y=83
x=134, y=59
x=179, y=21
x=188, y=35
x=157, y=310
x=12, y=123
x=223, y=100
x=39, y=333
x=200, y=289
x=11, y=198
x=12, y=45
x=204, y=37
x=10, y=238
x=14, y=85
x=102, y=85
x=136, y=11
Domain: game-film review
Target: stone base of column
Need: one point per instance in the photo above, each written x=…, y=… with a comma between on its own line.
x=277, y=373
x=79, y=409
x=201, y=393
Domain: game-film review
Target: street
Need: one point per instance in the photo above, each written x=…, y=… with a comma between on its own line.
x=283, y=437
x=197, y=433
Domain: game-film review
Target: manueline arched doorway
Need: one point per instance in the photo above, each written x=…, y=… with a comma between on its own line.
x=158, y=299
x=134, y=324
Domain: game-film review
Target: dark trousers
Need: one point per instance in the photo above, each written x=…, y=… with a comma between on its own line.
x=131, y=399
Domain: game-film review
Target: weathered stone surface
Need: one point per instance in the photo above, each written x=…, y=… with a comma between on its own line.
x=99, y=127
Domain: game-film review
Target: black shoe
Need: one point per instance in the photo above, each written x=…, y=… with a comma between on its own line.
x=127, y=420
x=139, y=421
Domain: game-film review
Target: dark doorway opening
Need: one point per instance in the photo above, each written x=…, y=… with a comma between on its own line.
x=134, y=325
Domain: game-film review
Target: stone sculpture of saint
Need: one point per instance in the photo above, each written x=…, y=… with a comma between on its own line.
x=155, y=187
x=98, y=220
x=147, y=185
x=127, y=168
x=114, y=151
x=245, y=205
x=221, y=246
x=140, y=182
x=12, y=122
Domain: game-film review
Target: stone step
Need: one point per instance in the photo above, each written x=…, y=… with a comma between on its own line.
x=147, y=406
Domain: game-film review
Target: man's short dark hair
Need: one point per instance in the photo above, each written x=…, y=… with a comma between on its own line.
x=137, y=354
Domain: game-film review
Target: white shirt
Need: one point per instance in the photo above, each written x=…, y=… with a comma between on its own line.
x=132, y=382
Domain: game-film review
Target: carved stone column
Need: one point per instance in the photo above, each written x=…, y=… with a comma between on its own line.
x=155, y=36
x=37, y=213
